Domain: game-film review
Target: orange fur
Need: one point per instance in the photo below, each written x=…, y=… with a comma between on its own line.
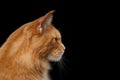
x=26, y=53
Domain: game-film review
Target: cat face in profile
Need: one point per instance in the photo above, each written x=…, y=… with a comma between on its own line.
x=28, y=50
x=45, y=38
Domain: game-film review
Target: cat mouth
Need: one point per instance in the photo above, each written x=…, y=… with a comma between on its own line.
x=56, y=58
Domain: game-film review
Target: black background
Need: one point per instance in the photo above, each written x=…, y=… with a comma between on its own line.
x=79, y=23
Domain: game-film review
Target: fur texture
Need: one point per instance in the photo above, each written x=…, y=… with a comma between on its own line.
x=26, y=53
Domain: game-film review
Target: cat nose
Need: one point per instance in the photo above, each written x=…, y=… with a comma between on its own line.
x=63, y=47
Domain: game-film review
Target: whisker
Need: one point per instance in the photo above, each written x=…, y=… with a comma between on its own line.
x=63, y=69
x=64, y=66
x=60, y=72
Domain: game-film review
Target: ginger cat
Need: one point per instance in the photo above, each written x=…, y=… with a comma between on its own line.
x=26, y=53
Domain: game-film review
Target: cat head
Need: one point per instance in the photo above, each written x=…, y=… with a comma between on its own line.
x=43, y=39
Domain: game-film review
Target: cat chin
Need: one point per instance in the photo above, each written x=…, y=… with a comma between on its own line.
x=54, y=59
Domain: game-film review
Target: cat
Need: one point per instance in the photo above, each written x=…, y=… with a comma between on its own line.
x=27, y=52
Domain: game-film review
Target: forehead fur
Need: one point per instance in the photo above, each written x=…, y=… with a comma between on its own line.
x=53, y=31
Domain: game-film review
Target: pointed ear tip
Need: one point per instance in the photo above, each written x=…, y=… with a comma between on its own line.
x=51, y=12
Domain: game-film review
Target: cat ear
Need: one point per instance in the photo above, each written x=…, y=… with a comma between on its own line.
x=45, y=21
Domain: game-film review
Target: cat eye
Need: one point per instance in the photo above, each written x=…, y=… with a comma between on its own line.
x=55, y=39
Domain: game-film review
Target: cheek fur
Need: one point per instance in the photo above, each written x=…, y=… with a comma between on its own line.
x=55, y=54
